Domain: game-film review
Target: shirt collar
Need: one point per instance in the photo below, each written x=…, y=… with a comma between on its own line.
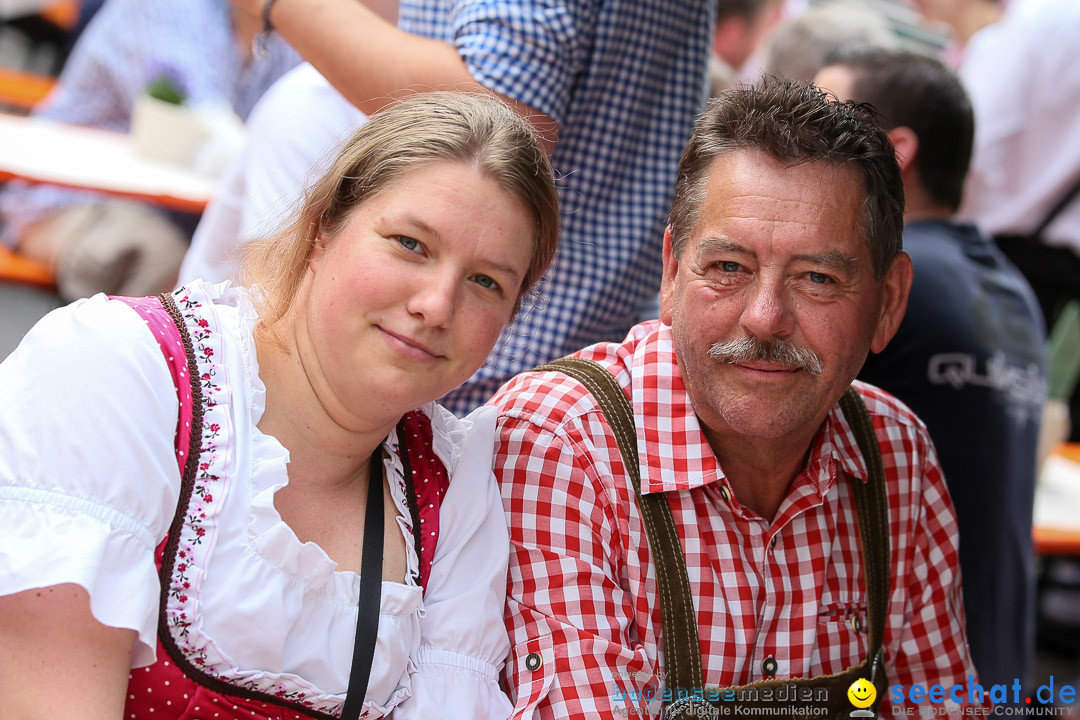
x=673, y=452
x=836, y=442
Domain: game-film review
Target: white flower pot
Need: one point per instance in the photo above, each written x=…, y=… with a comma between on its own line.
x=166, y=132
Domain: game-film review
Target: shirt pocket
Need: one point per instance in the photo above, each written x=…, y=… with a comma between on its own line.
x=841, y=637
x=533, y=672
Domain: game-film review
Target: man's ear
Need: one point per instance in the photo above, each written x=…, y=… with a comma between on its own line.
x=906, y=144
x=667, y=281
x=896, y=287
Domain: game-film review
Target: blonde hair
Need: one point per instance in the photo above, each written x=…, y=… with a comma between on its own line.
x=468, y=127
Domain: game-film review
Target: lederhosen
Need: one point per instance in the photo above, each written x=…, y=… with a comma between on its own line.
x=178, y=685
x=685, y=695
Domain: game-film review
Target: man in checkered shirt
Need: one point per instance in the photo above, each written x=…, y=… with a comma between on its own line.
x=782, y=268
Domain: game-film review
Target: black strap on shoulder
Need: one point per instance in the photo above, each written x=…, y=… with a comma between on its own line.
x=367, y=619
x=1061, y=204
x=678, y=620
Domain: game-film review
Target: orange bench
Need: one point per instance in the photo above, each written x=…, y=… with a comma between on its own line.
x=15, y=268
x=22, y=90
x=62, y=13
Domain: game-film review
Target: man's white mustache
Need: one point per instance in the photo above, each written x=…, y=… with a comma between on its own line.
x=779, y=351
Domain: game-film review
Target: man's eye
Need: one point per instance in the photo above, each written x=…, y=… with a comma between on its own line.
x=819, y=278
x=730, y=266
x=408, y=243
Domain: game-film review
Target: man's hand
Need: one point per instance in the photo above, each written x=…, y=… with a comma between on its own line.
x=251, y=6
x=350, y=42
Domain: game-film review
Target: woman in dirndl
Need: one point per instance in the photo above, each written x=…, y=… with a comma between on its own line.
x=241, y=501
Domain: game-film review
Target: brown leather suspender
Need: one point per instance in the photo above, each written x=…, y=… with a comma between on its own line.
x=687, y=695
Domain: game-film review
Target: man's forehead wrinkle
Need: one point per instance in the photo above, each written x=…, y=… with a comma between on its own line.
x=737, y=202
x=763, y=228
x=764, y=209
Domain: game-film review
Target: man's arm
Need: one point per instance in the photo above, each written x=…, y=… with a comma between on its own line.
x=371, y=62
x=932, y=649
x=576, y=649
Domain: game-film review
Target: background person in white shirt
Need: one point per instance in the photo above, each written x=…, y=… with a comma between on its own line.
x=1018, y=63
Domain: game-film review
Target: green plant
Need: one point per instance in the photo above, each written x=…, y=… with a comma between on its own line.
x=167, y=88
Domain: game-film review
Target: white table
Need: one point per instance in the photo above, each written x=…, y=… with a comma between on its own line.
x=1057, y=503
x=18, y=8
x=44, y=151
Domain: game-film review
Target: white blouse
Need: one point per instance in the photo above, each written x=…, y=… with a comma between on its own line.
x=89, y=485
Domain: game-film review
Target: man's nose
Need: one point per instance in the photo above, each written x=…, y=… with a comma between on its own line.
x=767, y=313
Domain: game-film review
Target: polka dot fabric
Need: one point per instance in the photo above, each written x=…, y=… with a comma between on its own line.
x=430, y=482
x=164, y=692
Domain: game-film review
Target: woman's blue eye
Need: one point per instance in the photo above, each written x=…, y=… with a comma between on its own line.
x=819, y=278
x=485, y=282
x=408, y=243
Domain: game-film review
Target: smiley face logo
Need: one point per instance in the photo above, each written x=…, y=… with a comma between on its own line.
x=862, y=693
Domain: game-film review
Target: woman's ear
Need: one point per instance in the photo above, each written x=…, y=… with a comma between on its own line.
x=318, y=250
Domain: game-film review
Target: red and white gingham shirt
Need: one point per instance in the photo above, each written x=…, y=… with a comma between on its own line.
x=583, y=596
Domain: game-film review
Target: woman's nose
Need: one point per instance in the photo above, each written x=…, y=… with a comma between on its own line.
x=434, y=298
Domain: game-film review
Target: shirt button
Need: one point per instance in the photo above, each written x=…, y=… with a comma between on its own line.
x=725, y=494
x=772, y=543
x=856, y=624
x=768, y=666
x=533, y=662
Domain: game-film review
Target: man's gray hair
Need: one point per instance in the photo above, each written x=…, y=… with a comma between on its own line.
x=795, y=123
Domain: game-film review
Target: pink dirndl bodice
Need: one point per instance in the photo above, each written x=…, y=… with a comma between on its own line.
x=181, y=683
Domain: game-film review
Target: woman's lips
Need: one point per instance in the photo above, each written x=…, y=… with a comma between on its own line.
x=410, y=347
